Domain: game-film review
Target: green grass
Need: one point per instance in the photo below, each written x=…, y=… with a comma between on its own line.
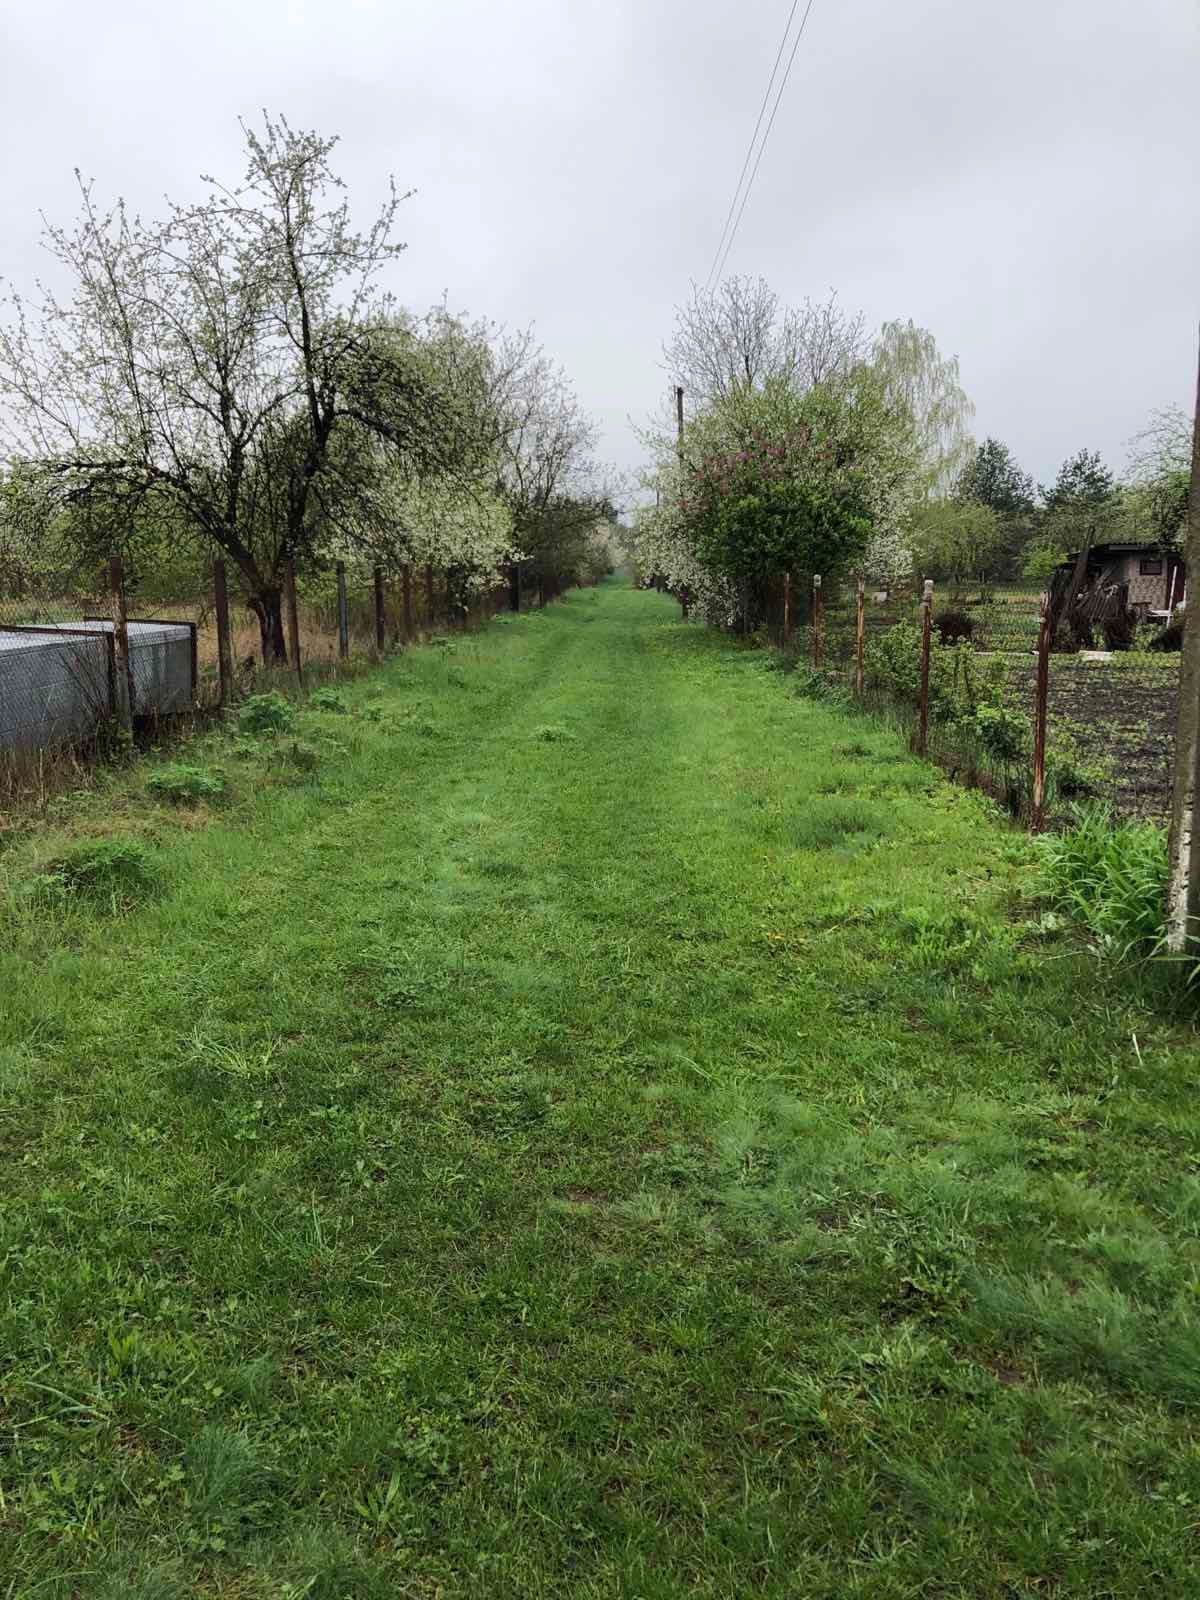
x=599, y=1126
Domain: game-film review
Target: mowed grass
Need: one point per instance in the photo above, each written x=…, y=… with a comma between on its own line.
x=578, y=1120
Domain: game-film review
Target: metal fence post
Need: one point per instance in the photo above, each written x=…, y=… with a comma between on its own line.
x=860, y=630
x=293, y=618
x=123, y=674
x=343, y=612
x=380, y=613
x=926, y=633
x=1041, y=694
x=224, y=640
x=818, y=620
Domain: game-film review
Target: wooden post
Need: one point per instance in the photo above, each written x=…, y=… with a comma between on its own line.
x=123, y=671
x=343, y=612
x=787, y=609
x=293, y=619
x=818, y=621
x=380, y=612
x=1038, y=817
x=406, y=601
x=541, y=594
x=514, y=589
x=926, y=634
x=860, y=633
x=1183, y=885
x=224, y=637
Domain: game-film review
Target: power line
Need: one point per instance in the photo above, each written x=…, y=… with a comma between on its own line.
x=766, y=135
x=753, y=137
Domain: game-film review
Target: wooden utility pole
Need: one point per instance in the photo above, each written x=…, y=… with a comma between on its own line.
x=343, y=612
x=293, y=619
x=1037, y=820
x=1183, y=886
x=685, y=597
x=224, y=638
x=380, y=612
x=123, y=671
x=926, y=634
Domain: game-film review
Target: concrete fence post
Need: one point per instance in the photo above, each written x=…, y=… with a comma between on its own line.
x=818, y=622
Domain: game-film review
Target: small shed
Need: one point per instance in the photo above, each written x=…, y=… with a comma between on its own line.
x=56, y=682
x=1152, y=575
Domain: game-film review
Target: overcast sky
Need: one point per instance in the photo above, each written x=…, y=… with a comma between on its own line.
x=1016, y=175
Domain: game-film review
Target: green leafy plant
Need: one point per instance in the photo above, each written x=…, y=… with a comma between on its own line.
x=266, y=713
x=328, y=700
x=183, y=784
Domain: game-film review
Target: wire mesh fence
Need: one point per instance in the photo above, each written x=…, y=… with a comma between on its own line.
x=73, y=660
x=1112, y=668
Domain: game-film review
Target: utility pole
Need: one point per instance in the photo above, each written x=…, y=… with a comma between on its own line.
x=684, y=594
x=1183, y=887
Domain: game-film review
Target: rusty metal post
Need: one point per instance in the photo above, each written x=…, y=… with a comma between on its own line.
x=407, y=599
x=926, y=635
x=380, y=612
x=787, y=609
x=123, y=697
x=343, y=609
x=818, y=622
x=1038, y=817
x=860, y=633
x=224, y=637
x=293, y=619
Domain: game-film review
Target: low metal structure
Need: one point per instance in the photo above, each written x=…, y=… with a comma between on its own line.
x=57, y=682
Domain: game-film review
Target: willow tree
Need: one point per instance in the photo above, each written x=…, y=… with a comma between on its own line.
x=211, y=364
x=918, y=377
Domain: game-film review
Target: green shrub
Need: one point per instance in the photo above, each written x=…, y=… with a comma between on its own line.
x=328, y=700
x=266, y=713
x=1002, y=732
x=111, y=873
x=1111, y=878
x=552, y=733
x=183, y=785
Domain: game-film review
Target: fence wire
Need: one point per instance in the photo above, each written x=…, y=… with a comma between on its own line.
x=1113, y=686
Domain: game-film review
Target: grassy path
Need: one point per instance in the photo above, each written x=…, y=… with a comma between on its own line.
x=608, y=1130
